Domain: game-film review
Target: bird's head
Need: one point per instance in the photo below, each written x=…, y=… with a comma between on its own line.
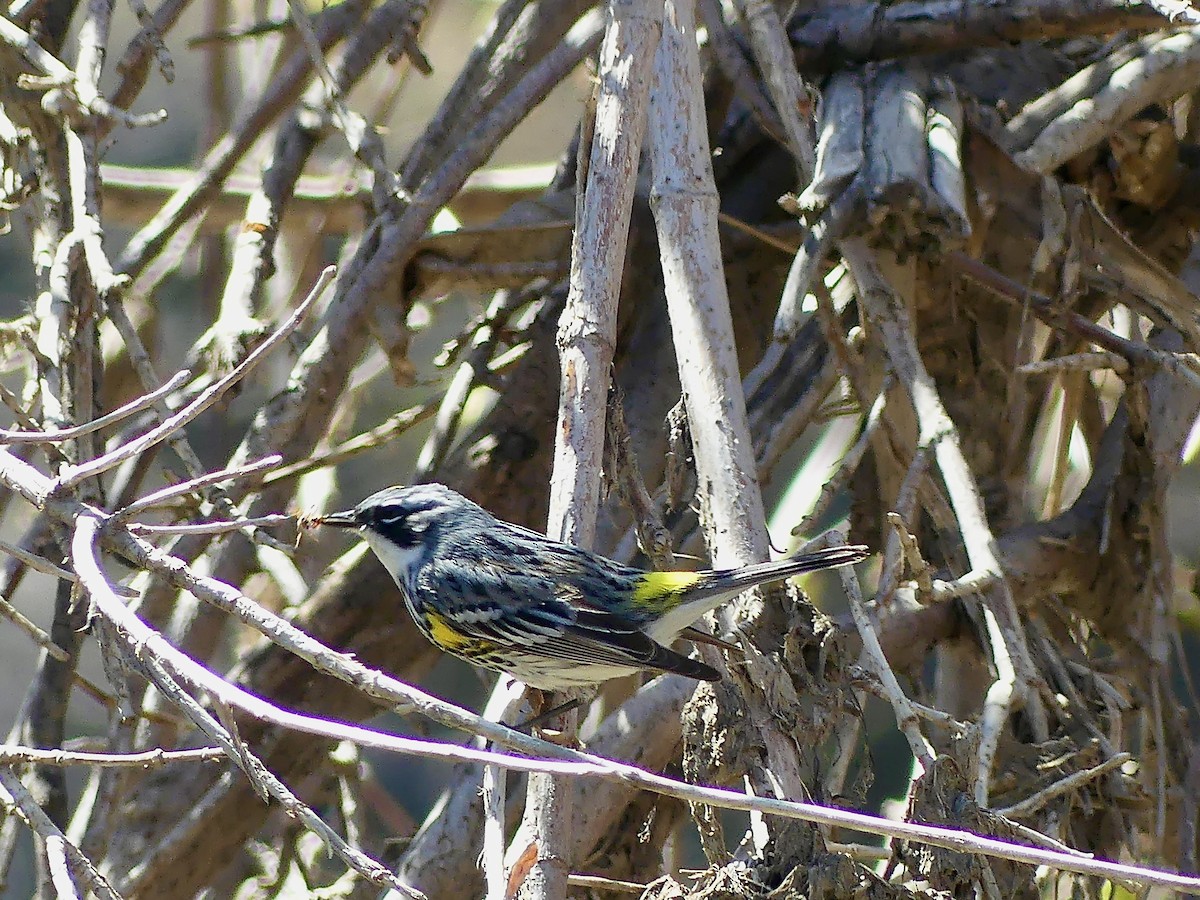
x=403, y=525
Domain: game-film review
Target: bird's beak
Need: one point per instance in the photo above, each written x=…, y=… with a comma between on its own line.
x=344, y=519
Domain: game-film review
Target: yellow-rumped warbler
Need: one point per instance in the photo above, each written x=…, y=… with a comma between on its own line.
x=549, y=614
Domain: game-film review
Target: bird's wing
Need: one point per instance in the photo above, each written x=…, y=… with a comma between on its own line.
x=595, y=628
x=514, y=607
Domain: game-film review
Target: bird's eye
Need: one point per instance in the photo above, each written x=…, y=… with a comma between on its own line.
x=390, y=515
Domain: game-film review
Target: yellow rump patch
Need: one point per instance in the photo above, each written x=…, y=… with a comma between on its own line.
x=656, y=585
x=450, y=640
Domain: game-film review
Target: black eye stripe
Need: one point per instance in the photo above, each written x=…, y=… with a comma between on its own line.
x=390, y=520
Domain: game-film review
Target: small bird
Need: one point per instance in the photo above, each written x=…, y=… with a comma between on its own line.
x=549, y=614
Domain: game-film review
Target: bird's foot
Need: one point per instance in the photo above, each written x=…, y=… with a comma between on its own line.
x=541, y=715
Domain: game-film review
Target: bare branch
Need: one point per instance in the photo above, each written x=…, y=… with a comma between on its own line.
x=211, y=527
x=159, y=497
x=858, y=32
x=73, y=475
x=10, y=754
x=61, y=852
x=65, y=434
x=906, y=717
x=40, y=637
x=1082, y=112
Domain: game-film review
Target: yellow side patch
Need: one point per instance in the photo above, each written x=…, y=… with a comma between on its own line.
x=656, y=585
x=452, y=641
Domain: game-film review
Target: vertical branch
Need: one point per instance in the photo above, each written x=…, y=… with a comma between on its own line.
x=769, y=40
x=67, y=339
x=441, y=858
x=216, y=95
x=588, y=328
x=53, y=314
x=586, y=339
x=493, y=793
x=50, y=252
x=685, y=204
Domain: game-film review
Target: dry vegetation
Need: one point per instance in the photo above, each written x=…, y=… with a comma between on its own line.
x=965, y=316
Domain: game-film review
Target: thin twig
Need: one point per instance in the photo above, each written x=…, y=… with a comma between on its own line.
x=600, y=883
x=72, y=475
x=139, y=359
x=210, y=527
x=1076, y=362
x=624, y=476
x=193, y=485
x=453, y=403
x=351, y=447
x=850, y=461
x=1064, y=786
x=147, y=759
x=14, y=405
x=17, y=799
x=40, y=637
x=117, y=415
x=38, y=563
x=906, y=717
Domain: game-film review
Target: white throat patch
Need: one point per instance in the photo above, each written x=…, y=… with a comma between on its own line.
x=399, y=561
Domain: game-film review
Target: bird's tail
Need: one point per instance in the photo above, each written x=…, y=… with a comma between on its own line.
x=704, y=591
x=722, y=582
